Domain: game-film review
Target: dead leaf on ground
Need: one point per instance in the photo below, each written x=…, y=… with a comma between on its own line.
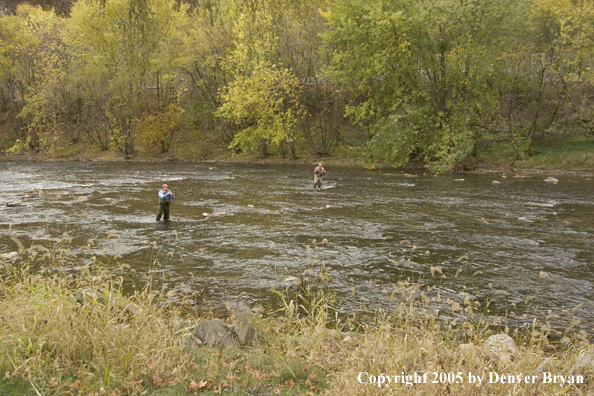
x=193, y=386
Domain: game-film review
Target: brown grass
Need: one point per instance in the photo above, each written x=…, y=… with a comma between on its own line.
x=79, y=334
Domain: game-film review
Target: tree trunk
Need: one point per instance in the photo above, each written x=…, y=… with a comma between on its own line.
x=263, y=149
x=292, y=147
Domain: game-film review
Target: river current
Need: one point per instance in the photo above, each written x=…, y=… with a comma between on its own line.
x=238, y=230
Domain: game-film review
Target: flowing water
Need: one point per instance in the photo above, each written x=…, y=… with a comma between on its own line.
x=516, y=240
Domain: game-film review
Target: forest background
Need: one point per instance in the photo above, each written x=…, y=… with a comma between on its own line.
x=452, y=84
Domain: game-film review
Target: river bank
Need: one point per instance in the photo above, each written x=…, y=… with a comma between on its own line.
x=78, y=334
x=484, y=166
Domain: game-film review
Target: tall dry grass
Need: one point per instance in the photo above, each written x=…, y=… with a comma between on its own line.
x=413, y=339
x=79, y=334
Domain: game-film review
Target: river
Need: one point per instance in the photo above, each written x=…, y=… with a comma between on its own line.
x=238, y=230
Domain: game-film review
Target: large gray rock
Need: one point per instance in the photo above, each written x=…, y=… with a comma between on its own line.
x=585, y=359
x=214, y=332
x=500, y=349
x=244, y=328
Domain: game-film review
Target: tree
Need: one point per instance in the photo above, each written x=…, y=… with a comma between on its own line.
x=419, y=72
x=204, y=41
x=263, y=99
x=266, y=103
x=30, y=51
x=565, y=45
x=158, y=130
x=116, y=46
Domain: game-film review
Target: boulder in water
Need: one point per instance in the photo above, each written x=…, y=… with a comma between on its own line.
x=291, y=281
x=182, y=294
x=551, y=180
x=15, y=205
x=9, y=256
x=258, y=308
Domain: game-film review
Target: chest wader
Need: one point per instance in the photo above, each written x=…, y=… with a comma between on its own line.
x=318, y=180
x=318, y=177
x=163, y=208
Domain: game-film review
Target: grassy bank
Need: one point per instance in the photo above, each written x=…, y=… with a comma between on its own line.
x=78, y=333
x=574, y=154
x=562, y=155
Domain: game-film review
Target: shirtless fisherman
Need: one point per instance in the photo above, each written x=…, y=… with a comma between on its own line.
x=319, y=171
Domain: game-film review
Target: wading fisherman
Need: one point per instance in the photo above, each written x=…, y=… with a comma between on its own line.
x=319, y=171
x=165, y=197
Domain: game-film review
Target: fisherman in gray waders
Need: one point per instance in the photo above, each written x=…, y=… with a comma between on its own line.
x=319, y=171
x=165, y=197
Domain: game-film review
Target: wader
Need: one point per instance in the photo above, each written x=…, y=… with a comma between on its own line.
x=163, y=208
x=317, y=181
x=318, y=173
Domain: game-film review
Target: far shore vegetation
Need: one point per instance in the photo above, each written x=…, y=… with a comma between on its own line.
x=451, y=85
x=67, y=327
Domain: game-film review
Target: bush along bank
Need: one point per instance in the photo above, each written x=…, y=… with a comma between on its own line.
x=80, y=334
